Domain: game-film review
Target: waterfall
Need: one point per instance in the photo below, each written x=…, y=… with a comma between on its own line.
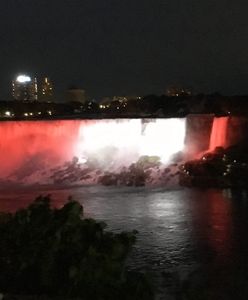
x=28, y=148
x=218, y=136
x=29, y=145
x=125, y=140
x=69, y=150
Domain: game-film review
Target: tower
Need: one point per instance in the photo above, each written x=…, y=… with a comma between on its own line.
x=46, y=90
x=24, y=88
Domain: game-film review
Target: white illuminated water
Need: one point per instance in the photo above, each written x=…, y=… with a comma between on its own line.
x=127, y=140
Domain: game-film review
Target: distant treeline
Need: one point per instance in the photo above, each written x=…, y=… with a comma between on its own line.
x=151, y=105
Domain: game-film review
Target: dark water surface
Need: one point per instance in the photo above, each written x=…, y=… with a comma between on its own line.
x=179, y=230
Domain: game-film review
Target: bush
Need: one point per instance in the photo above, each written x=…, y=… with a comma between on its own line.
x=57, y=252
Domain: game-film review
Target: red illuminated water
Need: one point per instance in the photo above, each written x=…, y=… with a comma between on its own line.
x=22, y=143
x=219, y=133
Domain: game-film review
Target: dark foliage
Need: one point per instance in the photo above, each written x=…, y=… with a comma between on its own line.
x=57, y=252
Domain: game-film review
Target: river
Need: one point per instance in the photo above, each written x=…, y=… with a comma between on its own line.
x=179, y=230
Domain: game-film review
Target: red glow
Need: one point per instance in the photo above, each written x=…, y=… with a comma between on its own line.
x=49, y=142
x=214, y=224
x=219, y=133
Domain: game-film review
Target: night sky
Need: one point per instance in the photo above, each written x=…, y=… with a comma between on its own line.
x=118, y=47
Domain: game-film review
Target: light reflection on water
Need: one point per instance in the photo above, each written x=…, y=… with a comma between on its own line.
x=177, y=228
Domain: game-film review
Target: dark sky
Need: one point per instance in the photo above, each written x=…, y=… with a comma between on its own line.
x=126, y=46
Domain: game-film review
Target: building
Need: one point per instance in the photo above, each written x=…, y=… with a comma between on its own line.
x=24, y=88
x=175, y=91
x=75, y=94
x=46, y=90
x=117, y=102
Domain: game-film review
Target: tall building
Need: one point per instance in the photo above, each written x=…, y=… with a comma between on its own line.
x=24, y=88
x=46, y=90
x=75, y=94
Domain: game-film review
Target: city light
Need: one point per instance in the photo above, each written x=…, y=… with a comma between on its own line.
x=23, y=79
x=8, y=114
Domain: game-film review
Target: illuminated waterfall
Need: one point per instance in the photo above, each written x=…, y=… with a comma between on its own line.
x=29, y=146
x=219, y=133
x=39, y=151
x=127, y=140
x=35, y=144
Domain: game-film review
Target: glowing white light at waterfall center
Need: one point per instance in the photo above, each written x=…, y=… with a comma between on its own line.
x=131, y=139
x=163, y=138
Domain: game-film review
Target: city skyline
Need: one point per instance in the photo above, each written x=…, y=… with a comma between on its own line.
x=121, y=48
x=28, y=88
